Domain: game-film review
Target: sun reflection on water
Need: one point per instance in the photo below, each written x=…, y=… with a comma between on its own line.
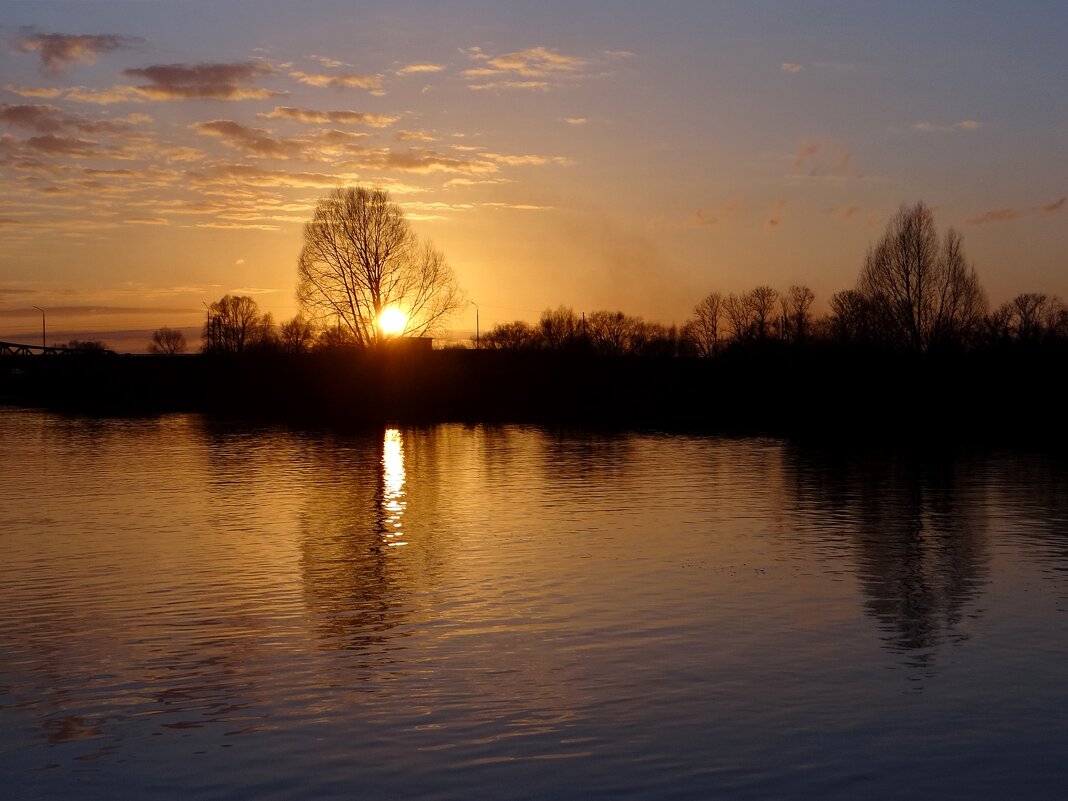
x=393, y=503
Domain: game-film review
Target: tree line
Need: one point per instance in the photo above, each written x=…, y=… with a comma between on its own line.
x=916, y=292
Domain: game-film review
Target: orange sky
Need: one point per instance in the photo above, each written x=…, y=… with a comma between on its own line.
x=158, y=155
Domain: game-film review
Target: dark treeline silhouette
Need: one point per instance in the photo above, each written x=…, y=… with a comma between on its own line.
x=911, y=351
x=916, y=293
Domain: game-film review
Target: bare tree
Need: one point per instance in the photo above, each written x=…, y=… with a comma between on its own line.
x=234, y=325
x=560, y=328
x=611, y=333
x=703, y=329
x=922, y=291
x=361, y=257
x=739, y=317
x=296, y=335
x=167, y=340
x=851, y=319
x=761, y=302
x=797, y=304
x=517, y=335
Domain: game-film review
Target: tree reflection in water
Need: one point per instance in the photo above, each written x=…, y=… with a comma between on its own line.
x=919, y=534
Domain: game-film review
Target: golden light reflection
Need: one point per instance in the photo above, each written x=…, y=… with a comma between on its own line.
x=393, y=503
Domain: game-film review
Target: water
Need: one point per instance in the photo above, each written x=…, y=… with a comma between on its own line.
x=199, y=610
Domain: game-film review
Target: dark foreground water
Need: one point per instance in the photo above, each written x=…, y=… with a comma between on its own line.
x=195, y=610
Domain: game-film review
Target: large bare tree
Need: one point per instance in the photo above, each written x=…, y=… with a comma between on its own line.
x=361, y=257
x=921, y=289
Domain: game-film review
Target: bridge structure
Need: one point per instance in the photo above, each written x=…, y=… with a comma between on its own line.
x=19, y=349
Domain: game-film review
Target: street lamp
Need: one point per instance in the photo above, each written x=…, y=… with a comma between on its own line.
x=43, y=337
x=476, y=322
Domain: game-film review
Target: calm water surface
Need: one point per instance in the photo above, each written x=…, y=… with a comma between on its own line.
x=196, y=610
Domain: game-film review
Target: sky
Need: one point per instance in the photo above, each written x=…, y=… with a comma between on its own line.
x=158, y=154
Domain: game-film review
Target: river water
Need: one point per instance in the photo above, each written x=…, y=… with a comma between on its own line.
x=202, y=610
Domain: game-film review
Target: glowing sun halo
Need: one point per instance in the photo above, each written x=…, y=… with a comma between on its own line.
x=392, y=321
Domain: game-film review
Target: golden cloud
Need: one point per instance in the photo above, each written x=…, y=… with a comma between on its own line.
x=372, y=83
x=43, y=92
x=419, y=68
x=337, y=117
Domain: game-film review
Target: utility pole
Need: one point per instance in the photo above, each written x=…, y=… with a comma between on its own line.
x=43, y=337
x=476, y=323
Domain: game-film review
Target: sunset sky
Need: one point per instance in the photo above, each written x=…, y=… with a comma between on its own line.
x=620, y=155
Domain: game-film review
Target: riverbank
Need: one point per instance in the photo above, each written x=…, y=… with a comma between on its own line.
x=824, y=393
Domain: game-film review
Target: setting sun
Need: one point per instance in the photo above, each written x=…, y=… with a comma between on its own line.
x=392, y=321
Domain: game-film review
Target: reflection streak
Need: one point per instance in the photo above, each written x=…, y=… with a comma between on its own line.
x=393, y=502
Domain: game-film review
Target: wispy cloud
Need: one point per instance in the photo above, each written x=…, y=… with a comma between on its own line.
x=420, y=68
x=105, y=97
x=1008, y=213
x=536, y=68
x=823, y=158
x=415, y=136
x=1054, y=207
x=963, y=125
x=203, y=81
x=526, y=160
x=993, y=215
x=371, y=83
x=575, y=120
x=58, y=50
x=42, y=92
x=792, y=69
x=336, y=117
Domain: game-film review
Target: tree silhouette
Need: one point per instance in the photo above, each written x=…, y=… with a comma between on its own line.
x=235, y=325
x=167, y=340
x=361, y=257
x=922, y=290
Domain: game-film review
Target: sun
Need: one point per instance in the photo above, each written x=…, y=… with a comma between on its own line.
x=392, y=321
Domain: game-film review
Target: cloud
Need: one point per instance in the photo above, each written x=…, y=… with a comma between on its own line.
x=526, y=160
x=536, y=68
x=993, y=215
x=1007, y=213
x=415, y=136
x=233, y=226
x=963, y=125
x=338, y=117
x=255, y=141
x=1054, y=207
x=43, y=92
x=329, y=63
x=203, y=81
x=822, y=158
x=105, y=97
x=537, y=86
x=425, y=162
x=534, y=62
x=575, y=120
x=705, y=218
x=42, y=118
x=793, y=69
x=372, y=83
x=226, y=176
x=419, y=68
x=844, y=212
x=58, y=50
x=145, y=221
x=251, y=290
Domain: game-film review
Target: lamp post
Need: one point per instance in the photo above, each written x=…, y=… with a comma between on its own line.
x=476, y=323
x=43, y=337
